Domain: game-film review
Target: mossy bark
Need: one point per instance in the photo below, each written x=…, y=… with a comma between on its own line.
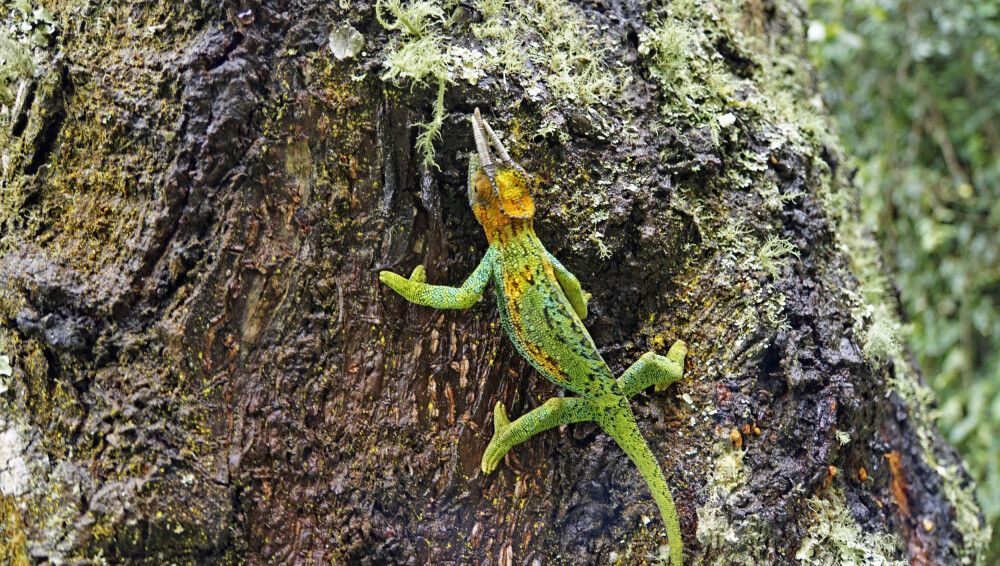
x=197, y=197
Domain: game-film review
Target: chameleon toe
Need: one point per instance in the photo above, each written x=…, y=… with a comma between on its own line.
x=678, y=351
x=389, y=278
x=490, y=460
x=419, y=274
x=500, y=419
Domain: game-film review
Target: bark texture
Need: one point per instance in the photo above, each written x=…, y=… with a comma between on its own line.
x=197, y=197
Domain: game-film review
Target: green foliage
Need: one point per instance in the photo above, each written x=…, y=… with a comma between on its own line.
x=913, y=85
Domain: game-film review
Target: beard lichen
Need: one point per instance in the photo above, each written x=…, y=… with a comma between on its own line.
x=834, y=537
x=435, y=48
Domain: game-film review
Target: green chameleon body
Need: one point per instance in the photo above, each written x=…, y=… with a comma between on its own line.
x=541, y=307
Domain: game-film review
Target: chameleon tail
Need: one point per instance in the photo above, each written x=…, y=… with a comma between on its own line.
x=620, y=425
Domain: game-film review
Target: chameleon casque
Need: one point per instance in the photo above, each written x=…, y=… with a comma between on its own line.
x=542, y=308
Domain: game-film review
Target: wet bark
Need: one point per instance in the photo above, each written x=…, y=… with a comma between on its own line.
x=204, y=368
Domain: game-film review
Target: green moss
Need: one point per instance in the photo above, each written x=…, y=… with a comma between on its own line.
x=755, y=261
x=26, y=32
x=15, y=65
x=725, y=542
x=729, y=473
x=961, y=495
x=88, y=209
x=13, y=543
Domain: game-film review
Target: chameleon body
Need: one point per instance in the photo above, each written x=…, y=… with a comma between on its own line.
x=542, y=308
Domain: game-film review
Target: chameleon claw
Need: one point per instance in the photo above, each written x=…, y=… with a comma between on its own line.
x=676, y=354
x=495, y=451
x=393, y=280
x=419, y=274
x=401, y=284
x=500, y=419
x=678, y=351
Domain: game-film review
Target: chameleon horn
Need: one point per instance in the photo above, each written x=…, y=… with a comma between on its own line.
x=482, y=147
x=504, y=156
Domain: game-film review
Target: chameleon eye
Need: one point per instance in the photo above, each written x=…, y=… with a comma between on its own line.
x=484, y=189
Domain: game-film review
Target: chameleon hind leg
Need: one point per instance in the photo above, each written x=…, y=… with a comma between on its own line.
x=654, y=369
x=650, y=369
x=555, y=412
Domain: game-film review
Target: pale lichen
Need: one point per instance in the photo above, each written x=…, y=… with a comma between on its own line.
x=515, y=40
x=834, y=537
x=25, y=33
x=697, y=85
x=773, y=254
x=725, y=542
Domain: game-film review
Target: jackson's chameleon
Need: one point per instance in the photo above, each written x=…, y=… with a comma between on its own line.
x=541, y=308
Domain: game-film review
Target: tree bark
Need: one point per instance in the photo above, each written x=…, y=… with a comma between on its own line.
x=197, y=198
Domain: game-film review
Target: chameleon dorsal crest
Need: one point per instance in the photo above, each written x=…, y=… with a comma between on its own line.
x=542, y=308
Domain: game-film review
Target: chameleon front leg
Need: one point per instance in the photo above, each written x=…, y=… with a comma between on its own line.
x=570, y=286
x=654, y=369
x=416, y=290
x=555, y=412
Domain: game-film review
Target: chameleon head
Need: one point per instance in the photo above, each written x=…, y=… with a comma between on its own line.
x=499, y=188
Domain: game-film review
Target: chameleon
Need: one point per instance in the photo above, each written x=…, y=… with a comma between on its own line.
x=542, y=307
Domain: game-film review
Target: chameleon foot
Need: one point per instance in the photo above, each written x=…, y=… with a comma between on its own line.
x=654, y=369
x=556, y=411
x=676, y=354
x=497, y=448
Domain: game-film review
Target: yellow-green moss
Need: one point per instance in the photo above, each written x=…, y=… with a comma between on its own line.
x=13, y=543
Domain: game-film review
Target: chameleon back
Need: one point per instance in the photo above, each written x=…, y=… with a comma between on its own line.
x=540, y=320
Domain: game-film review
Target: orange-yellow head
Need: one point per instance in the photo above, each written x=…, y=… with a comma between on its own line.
x=499, y=188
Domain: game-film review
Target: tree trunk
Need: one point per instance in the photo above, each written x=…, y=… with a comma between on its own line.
x=197, y=198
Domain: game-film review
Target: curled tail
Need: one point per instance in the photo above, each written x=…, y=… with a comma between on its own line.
x=620, y=425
